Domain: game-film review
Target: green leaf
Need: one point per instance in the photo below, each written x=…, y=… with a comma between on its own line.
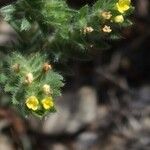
x=7, y=12
x=25, y=25
x=3, y=78
x=9, y=88
x=98, y=4
x=84, y=11
x=115, y=36
x=82, y=16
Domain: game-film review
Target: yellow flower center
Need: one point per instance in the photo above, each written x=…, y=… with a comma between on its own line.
x=123, y=5
x=32, y=103
x=47, y=102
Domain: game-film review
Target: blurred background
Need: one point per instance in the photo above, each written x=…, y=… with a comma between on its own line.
x=106, y=99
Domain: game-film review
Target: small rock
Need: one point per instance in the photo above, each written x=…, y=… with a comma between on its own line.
x=5, y=143
x=59, y=146
x=86, y=141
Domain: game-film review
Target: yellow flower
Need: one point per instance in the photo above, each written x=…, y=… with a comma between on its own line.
x=123, y=5
x=32, y=103
x=47, y=102
x=119, y=19
x=107, y=29
x=106, y=15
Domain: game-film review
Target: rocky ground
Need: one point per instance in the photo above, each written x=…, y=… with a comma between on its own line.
x=83, y=124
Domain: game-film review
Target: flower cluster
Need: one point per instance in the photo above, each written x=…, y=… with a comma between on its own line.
x=109, y=17
x=33, y=83
x=34, y=104
x=121, y=6
x=46, y=103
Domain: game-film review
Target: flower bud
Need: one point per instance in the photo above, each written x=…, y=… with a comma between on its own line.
x=106, y=15
x=16, y=68
x=46, y=67
x=107, y=29
x=29, y=78
x=46, y=89
x=119, y=19
x=88, y=30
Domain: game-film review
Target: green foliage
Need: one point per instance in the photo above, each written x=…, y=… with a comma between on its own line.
x=53, y=22
x=59, y=31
